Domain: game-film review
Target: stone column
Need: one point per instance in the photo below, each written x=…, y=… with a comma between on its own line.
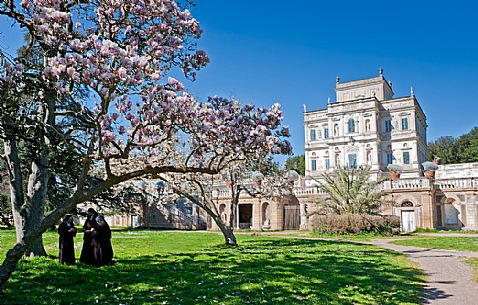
x=304, y=220
x=256, y=215
x=277, y=216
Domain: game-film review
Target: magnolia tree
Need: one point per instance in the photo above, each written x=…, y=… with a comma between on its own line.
x=241, y=179
x=133, y=121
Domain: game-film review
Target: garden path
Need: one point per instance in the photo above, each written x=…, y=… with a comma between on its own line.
x=449, y=279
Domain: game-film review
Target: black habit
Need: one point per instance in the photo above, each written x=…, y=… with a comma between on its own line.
x=87, y=251
x=103, y=251
x=67, y=246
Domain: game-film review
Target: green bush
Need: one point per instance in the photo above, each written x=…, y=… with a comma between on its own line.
x=355, y=224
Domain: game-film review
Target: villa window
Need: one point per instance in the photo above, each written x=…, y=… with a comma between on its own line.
x=388, y=125
x=326, y=133
x=351, y=125
x=389, y=158
x=327, y=163
x=314, y=165
x=313, y=136
x=404, y=123
x=406, y=157
x=352, y=160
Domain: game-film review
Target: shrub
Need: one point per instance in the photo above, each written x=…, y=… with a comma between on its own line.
x=355, y=224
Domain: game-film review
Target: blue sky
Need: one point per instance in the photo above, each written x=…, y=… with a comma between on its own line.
x=291, y=51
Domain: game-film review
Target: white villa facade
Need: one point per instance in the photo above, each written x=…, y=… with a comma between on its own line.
x=366, y=126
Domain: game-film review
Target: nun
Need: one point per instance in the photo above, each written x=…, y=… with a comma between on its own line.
x=103, y=251
x=67, y=232
x=87, y=251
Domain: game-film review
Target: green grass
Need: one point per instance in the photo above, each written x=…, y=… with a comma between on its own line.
x=359, y=237
x=453, y=243
x=154, y=267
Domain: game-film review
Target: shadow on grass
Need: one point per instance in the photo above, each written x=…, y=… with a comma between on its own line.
x=258, y=272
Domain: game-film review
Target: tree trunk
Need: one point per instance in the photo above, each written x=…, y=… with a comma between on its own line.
x=10, y=262
x=16, y=186
x=37, y=188
x=17, y=252
x=40, y=174
x=227, y=231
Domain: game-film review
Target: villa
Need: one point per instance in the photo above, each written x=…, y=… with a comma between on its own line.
x=365, y=126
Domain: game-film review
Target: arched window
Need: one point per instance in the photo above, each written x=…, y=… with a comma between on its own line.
x=351, y=125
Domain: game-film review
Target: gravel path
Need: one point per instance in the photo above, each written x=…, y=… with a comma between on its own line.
x=449, y=279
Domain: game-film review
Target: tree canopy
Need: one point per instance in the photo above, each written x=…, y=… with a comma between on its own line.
x=296, y=163
x=463, y=149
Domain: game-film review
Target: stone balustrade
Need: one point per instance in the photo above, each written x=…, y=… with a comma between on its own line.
x=457, y=183
x=404, y=184
x=307, y=190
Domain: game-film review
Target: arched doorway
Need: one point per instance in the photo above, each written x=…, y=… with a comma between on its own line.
x=408, y=219
x=291, y=217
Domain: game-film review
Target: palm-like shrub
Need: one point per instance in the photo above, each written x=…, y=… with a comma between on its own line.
x=350, y=191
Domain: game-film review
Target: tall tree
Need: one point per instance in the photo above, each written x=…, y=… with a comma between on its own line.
x=296, y=163
x=463, y=149
x=121, y=52
x=466, y=147
x=443, y=148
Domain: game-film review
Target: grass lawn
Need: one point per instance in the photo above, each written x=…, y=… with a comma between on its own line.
x=454, y=243
x=154, y=267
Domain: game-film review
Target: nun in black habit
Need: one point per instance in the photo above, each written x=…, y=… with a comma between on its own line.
x=67, y=232
x=87, y=251
x=103, y=251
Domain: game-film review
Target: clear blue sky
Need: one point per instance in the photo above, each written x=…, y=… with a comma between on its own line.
x=290, y=52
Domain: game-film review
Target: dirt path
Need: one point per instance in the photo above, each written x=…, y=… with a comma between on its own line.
x=449, y=279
